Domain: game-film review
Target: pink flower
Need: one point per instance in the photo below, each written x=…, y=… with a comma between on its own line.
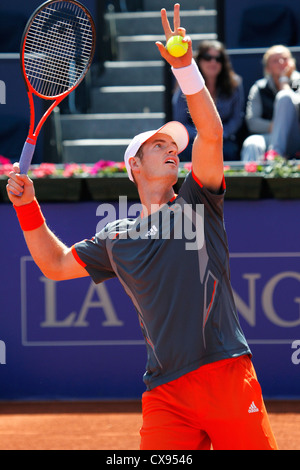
x=6, y=168
x=86, y=168
x=101, y=165
x=4, y=160
x=43, y=170
x=47, y=168
x=226, y=167
x=251, y=167
x=38, y=173
x=270, y=155
x=120, y=165
x=188, y=166
x=71, y=169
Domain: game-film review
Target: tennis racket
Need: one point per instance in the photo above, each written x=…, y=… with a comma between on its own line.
x=57, y=50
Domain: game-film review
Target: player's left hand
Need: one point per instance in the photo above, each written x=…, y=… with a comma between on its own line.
x=176, y=62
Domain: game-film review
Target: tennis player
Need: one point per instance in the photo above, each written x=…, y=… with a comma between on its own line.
x=201, y=388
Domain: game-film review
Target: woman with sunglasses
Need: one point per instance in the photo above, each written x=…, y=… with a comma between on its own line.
x=226, y=89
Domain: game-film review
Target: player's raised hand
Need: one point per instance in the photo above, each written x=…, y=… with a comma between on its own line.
x=19, y=187
x=176, y=62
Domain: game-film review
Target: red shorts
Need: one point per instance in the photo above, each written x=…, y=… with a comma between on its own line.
x=217, y=406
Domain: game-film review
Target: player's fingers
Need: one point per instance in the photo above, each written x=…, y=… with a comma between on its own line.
x=181, y=32
x=15, y=183
x=189, y=55
x=17, y=177
x=16, y=167
x=163, y=51
x=176, y=16
x=165, y=24
x=188, y=40
x=14, y=189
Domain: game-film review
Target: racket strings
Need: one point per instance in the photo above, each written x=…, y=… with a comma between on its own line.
x=58, y=49
x=53, y=64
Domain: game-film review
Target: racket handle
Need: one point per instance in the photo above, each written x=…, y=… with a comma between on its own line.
x=26, y=157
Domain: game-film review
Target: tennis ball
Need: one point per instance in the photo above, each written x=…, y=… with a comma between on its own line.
x=176, y=47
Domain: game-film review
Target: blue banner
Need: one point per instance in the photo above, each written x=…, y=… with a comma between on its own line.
x=77, y=340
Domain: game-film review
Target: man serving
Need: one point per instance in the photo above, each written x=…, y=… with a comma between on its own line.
x=201, y=387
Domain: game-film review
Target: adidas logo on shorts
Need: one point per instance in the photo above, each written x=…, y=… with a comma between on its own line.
x=253, y=408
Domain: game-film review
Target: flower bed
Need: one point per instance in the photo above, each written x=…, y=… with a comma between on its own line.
x=278, y=178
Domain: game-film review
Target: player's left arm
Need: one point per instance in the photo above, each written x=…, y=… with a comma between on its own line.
x=207, y=155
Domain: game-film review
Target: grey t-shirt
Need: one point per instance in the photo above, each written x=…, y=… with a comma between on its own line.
x=174, y=265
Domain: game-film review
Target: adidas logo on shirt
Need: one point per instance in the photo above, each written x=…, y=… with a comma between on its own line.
x=253, y=408
x=153, y=231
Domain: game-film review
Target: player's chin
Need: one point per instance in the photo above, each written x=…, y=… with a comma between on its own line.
x=172, y=176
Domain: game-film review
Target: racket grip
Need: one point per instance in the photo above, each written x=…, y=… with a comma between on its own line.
x=26, y=157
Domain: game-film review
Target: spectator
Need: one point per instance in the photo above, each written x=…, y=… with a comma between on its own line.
x=226, y=89
x=272, y=112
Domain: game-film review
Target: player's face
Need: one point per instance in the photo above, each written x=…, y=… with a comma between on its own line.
x=160, y=159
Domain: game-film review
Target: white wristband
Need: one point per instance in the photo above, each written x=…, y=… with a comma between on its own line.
x=189, y=78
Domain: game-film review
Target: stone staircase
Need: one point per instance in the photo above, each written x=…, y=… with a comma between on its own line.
x=129, y=97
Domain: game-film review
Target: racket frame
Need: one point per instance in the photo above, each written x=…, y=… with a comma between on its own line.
x=33, y=133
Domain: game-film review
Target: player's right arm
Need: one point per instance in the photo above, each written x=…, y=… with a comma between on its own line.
x=54, y=259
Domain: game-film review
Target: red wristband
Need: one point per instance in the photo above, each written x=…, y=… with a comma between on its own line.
x=30, y=216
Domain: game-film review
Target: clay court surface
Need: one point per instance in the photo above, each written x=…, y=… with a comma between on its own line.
x=106, y=426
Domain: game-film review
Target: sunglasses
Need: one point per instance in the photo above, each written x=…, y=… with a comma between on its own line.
x=209, y=58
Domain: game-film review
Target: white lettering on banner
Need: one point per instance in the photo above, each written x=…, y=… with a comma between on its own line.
x=261, y=295
x=50, y=307
x=248, y=312
x=2, y=353
x=268, y=295
x=103, y=302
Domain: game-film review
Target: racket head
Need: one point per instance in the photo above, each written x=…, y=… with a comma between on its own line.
x=57, y=48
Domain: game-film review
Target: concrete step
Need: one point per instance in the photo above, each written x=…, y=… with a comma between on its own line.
x=129, y=73
x=93, y=150
x=128, y=99
x=108, y=126
x=149, y=22
x=156, y=5
x=144, y=48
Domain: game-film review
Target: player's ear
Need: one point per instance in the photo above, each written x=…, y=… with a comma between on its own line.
x=135, y=164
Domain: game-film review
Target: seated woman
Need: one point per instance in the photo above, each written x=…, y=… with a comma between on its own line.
x=226, y=89
x=272, y=112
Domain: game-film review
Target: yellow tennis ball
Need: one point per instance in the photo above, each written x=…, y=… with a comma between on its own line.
x=176, y=47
